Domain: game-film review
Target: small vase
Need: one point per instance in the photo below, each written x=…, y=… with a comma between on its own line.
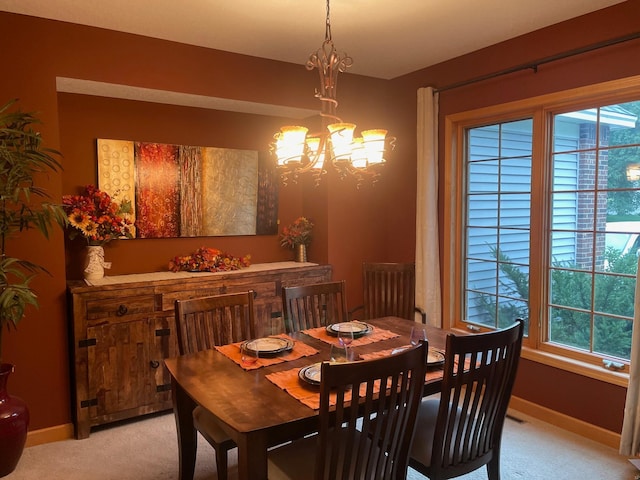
x=94, y=264
x=14, y=423
x=301, y=253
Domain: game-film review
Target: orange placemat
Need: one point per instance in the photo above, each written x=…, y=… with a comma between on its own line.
x=289, y=381
x=432, y=373
x=377, y=335
x=299, y=350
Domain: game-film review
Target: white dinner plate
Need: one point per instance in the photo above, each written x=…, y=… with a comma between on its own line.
x=311, y=373
x=269, y=345
x=434, y=357
x=359, y=329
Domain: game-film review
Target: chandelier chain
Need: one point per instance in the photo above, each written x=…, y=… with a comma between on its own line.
x=327, y=32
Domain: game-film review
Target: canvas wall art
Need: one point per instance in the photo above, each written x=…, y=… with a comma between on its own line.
x=190, y=191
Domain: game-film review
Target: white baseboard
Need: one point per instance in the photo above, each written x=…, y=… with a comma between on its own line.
x=50, y=434
x=579, y=427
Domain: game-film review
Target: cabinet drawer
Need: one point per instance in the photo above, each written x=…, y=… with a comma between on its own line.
x=119, y=307
x=169, y=298
x=311, y=279
x=261, y=290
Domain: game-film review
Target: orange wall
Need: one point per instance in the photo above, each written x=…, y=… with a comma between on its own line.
x=349, y=222
x=593, y=401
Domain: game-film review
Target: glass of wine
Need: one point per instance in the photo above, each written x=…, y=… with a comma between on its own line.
x=339, y=353
x=345, y=335
x=417, y=333
x=276, y=326
x=248, y=356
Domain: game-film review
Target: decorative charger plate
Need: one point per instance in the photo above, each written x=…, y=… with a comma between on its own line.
x=434, y=357
x=269, y=345
x=359, y=329
x=311, y=373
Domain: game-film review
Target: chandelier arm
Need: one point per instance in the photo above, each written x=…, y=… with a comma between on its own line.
x=314, y=157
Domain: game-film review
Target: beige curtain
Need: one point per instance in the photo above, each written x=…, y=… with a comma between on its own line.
x=427, y=248
x=630, y=439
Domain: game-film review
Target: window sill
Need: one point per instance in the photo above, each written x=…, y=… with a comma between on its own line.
x=575, y=366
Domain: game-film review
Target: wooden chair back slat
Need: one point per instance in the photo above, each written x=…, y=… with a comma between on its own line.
x=317, y=305
x=389, y=290
x=203, y=323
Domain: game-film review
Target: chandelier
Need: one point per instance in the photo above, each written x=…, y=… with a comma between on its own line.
x=298, y=151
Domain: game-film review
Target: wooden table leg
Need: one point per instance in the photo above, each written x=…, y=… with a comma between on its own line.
x=183, y=407
x=252, y=456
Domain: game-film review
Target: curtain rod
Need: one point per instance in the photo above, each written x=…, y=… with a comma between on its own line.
x=534, y=65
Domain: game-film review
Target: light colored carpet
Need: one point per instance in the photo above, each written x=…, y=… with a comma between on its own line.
x=147, y=449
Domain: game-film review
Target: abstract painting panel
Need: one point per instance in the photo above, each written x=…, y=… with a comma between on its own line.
x=116, y=171
x=157, y=190
x=189, y=191
x=230, y=192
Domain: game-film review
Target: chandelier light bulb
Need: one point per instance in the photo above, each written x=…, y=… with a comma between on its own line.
x=374, y=141
x=358, y=154
x=316, y=150
x=633, y=172
x=341, y=140
x=290, y=144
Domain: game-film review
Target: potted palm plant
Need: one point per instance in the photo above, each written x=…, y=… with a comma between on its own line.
x=23, y=205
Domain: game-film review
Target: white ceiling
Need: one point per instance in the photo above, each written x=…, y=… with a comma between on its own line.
x=386, y=39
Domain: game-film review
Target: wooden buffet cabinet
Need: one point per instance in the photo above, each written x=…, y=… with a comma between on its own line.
x=123, y=328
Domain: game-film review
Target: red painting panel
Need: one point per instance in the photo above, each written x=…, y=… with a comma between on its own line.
x=157, y=190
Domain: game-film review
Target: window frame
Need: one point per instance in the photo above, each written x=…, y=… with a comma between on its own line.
x=541, y=110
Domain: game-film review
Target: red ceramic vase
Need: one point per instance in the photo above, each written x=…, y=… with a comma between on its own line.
x=14, y=421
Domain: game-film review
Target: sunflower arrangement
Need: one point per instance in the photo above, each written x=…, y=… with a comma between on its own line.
x=297, y=233
x=207, y=259
x=97, y=217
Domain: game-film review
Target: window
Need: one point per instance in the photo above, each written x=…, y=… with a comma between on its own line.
x=547, y=220
x=498, y=205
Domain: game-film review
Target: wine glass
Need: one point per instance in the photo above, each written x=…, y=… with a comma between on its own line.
x=345, y=335
x=338, y=353
x=248, y=356
x=418, y=333
x=276, y=326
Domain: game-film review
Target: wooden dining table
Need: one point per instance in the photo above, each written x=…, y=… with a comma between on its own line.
x=255, y=412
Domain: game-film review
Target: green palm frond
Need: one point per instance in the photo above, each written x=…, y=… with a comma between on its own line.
x=23, y=206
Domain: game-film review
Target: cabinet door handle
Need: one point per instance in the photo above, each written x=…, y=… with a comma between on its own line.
x=154, y=363
x=122, y=310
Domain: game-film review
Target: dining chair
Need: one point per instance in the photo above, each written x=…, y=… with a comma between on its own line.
x=201, y=324
x=317, y=305
x=462, y=431
x=389, y=290
x=366, y=432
